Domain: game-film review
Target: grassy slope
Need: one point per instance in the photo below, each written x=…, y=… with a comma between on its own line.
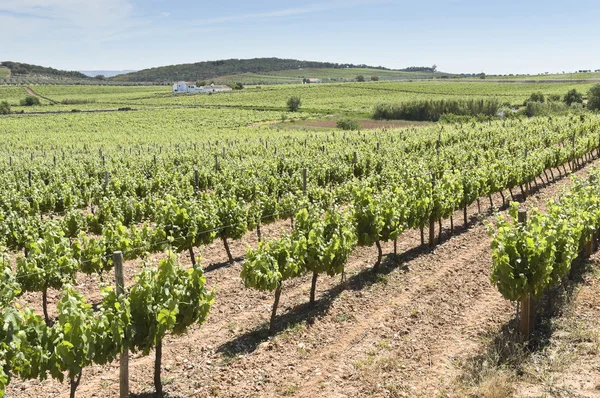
x=296, y=75
x=4, y=72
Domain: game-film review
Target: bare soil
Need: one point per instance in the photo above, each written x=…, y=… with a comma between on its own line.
x=403, y=333
x=366, y=124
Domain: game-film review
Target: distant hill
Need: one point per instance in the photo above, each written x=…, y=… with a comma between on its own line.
x=21, y=69
x=328, y=75
x=214, y=69
x=105, y=73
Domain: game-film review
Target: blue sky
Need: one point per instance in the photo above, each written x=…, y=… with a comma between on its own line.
x=459, y=36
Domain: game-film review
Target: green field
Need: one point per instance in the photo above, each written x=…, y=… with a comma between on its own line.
x=331, y=98
x=4, y=72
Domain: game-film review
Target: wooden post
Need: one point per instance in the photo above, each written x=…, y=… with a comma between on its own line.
x=196, y=179
x=29, y=177
x=573, y=164
x=54, y=160
x=223, y=152
x=10, y=161
x=354, y=158
x=431, y=219
x=589, y=247
x=124, y=357
x=525, y=320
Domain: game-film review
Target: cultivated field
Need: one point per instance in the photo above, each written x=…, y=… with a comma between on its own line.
x=332, y=98
x=269, y=253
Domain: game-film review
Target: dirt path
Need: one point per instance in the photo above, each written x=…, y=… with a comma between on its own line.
x=397, y=334
x=33, y=93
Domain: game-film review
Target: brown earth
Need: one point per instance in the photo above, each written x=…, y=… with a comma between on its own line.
x=366, y=124
x=402, y=333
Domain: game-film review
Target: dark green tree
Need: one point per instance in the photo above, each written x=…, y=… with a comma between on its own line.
x=594, y=98
x=536, y=97
x=30, y=100
x=360, y=78
x=293, y=103
x=4, y=108
x=573, y=97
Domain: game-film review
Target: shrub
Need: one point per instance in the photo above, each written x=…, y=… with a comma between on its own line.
x=594, y=98
x=4, y=108
x=360, y=78
x=73, y=101
x=293, y=103
x=200, y=83
x=238, y=86
x=573, y=97
x=432, y=110
x=347, y=123
x=535, y=97
x=375, y=78
x=30, y=100
x=554, y=97
x=544, y=109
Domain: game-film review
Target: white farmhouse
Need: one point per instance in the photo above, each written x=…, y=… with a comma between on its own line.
x=185, y=88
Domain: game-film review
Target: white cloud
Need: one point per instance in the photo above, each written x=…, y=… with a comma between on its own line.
x=288, y=12
x=88, y=14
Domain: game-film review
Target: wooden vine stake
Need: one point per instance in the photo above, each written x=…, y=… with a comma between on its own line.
x=431, y=219
x=589, y=247
x=526, y=317
x=124, y=357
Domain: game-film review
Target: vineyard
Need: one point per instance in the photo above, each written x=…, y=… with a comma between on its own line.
x=331, y=98
x=213, y=256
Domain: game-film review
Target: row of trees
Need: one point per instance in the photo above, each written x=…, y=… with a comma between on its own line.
x=571, y=97
x=213, y=69
x=361, y=78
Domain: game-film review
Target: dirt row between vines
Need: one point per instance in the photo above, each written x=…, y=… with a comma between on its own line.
x=397, y=334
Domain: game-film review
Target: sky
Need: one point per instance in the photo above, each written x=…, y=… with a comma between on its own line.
x=495, y=37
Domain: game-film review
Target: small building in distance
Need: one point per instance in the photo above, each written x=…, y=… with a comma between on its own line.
x=190, y=88
x=311, y=80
